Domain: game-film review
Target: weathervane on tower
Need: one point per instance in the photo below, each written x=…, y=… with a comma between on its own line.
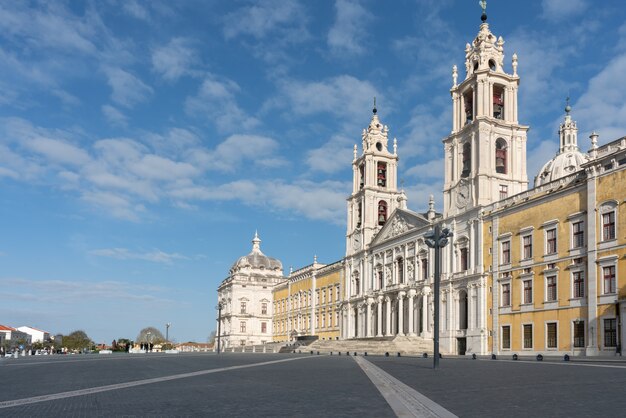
x=483, y=5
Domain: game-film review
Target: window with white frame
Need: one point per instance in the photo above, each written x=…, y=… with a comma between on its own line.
x=506, y=294
x=243, y=307
x=263, y=327
x=527, y=296
x=578, y=284
x=528, y=335
x=551, y=241
x=506, y=337
x=324, y=295
x=608, y=279
x=579, y=333
x=506, y=252
x=504, y=191
x=608, y=226
x=264, y=308
x=242, y=326
x=551, y=288
x=578, y=234
x=527, y=247
x=551, y=331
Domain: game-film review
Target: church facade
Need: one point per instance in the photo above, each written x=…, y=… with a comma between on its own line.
x=527, y=270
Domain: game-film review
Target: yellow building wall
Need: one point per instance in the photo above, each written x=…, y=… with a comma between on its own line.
x=538, y=215
x=326, y=323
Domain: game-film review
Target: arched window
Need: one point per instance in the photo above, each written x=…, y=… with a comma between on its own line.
x=382, y=212
x=381, y=174
x=501, y=156
x=498, y=102
x=468, y=101
x=467, y=159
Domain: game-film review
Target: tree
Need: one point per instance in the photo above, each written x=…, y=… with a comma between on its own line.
x=77, y=340
x=155, y=336
x=211, y=339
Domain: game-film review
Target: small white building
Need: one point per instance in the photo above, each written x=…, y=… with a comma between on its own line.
x=10, y=333
x=36, y=335
x=246, y=299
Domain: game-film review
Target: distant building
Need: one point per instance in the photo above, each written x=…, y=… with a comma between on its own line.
x=13, y=334
x=36, y=335
x=308, y=303
x=246, y=297
x=190, y=346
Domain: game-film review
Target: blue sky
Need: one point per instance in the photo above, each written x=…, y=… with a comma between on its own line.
x=143, y=143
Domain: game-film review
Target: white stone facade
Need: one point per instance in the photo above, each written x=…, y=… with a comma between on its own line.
x=36, y=335
x=389, y=269
x=246, y=298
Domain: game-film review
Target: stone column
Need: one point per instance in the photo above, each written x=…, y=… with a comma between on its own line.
x=379, y=318
x=388, y=316
x=401, y=313
x=349, y=321
x=411, y=296
x=368, y=318
x=425, y=293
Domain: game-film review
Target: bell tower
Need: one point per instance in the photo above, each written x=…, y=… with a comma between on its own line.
x=485, y=154
x=375, y=192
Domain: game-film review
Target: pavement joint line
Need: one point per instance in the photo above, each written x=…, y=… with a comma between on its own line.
x=117, y=386
x=403, y=399
x=609, y=366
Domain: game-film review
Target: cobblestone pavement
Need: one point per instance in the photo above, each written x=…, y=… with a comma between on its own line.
x=275, y=385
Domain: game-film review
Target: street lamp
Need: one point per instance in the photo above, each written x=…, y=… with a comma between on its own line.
x=167, y=332
x=219, y=307
x=436, y=239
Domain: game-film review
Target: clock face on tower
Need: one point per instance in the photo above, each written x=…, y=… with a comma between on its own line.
x=462, y=194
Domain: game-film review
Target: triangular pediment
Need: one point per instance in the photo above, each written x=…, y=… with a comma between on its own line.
x=399, y=223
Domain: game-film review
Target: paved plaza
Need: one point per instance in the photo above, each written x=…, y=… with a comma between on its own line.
x=304, y=385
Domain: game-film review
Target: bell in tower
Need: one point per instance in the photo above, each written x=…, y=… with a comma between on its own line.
x=485, y=155
x=374, y=194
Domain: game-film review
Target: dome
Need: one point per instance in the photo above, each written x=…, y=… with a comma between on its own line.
x=563, y=164
x=256, y=259
x=569, y=159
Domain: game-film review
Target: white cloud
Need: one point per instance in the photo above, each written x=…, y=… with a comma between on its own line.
x=539, y=89
x=433, y=169
x=229, y=155
x=556, y=10
x=66, y=291
x=538, y=156
x=115, y=204
x=261, y=19
x=155, y=256
x=344, y=96
x=427, y=128
x=334, y=155
x=7, y=172
x=174, y=60
x=136, y=10
x=418, y=196
x=348, y=33
x=128, y=90
x=58, y=151
x=216, y=101
x=603, y=106
x=114, y=116
x=323, y=200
